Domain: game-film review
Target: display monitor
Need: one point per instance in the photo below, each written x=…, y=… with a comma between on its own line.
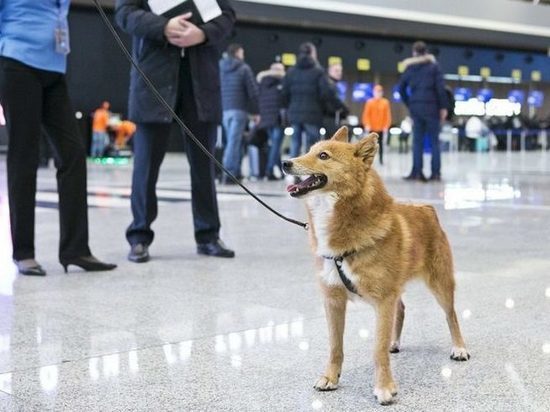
x=362, y=92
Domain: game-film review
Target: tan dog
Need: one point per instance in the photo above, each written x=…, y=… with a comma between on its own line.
x=367, y=246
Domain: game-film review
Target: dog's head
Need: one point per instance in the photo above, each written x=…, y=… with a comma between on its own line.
x=333, y=165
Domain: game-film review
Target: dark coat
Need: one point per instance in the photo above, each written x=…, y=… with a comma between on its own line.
x=161, y=62
x=239, y=88
x=306, y=92
x=421, y=86
x=271, y=98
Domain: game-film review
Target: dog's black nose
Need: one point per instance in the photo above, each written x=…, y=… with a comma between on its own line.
x=287, y=165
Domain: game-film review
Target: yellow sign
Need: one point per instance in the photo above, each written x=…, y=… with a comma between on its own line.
x=363, y=65
x=516, y=75
x=463, y=71
x=400, y=67
x=536, y=76
x=485, y=72
x=334, y=60
x=288, y=59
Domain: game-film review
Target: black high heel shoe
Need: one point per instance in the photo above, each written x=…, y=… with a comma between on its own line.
x=88, y=263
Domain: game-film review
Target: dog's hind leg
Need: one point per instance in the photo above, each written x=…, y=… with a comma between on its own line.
x=335, y=308
x=442, y=285
x=385, y=387
x=398, y=319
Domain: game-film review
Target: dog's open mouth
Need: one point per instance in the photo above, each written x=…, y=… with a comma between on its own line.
x=313, y=182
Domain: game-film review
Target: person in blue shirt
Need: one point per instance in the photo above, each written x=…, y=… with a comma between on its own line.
x=423, y=91
x=34, y=43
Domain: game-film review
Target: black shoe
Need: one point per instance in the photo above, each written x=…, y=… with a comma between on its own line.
x=435, y=178
x=29, y=267
x=88, y=263
x=139, y=253
x=419, y=178
x=215, y=248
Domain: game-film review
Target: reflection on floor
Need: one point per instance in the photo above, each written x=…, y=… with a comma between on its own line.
x=188, y=333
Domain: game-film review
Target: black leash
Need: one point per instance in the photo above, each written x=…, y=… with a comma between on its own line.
x=180, y=122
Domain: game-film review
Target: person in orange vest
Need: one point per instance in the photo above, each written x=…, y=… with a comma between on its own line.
x=100, y=138
x=124, y=131
x=377, y=117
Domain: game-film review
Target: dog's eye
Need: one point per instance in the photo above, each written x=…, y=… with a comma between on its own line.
x=323, y=156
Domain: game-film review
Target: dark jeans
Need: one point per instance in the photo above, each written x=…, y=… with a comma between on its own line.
x=275, y=134
x=312, y=137
x=380, y=134
x=426, y=126
x=150, y=143
x=32, y=98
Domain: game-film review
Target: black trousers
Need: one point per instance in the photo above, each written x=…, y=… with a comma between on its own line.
x=150, y=143
x=380, y=134
x=32, y=99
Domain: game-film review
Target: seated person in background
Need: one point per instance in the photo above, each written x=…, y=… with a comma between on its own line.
x=124, y=131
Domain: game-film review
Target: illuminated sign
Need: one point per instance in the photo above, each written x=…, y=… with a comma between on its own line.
x=535, y=99
x=485, y=72
x=516, y=96
x=362, y=92
x=516, y=75
x=536, y=76
x=288, y=59
x=342, y=88
x=462, y=94
x=463, y=71
x=334, y=60
x=363, y=65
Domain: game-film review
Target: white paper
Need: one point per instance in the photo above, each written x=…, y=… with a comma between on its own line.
x=208, y=9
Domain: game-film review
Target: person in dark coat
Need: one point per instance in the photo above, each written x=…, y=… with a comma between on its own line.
x=336, y=110
x=306, y=90
x=239, y=97
x=271, y=106
x=181, y=59
x=423, y=91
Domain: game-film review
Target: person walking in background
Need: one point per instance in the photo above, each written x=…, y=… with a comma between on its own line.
x=336, y=109
x=306, y=91
x=271, y=107
x=34, y=44
x=239, y=97
x=377, y=117
x=100, y=137
x=124, y=132
x=422, y=90
x=182, y=59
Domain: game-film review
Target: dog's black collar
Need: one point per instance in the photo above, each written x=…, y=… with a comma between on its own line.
x=339, y=261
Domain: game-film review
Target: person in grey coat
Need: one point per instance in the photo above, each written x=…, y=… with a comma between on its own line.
x=181, y=59
x=239, y=97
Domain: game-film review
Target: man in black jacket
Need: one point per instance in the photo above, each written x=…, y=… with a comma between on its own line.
x=306, y=91
x=423, y=91
x=181, y=59
x=239, y=97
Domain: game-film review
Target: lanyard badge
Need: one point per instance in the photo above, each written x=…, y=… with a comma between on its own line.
x=62, y=44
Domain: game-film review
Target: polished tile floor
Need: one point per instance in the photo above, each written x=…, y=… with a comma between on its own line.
x=190, y=333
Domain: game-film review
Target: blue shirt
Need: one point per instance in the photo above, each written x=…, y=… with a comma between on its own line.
x=27, y=32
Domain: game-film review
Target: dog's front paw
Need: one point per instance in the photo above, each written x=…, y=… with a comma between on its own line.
x=384, y=395
x=326, y=384
x=459, y=354
x=395, y=347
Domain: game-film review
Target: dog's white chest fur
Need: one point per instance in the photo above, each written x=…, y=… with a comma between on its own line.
x=322, y=208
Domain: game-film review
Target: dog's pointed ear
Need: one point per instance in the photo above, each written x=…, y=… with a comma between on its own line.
x=341, y=135
x=367, y=148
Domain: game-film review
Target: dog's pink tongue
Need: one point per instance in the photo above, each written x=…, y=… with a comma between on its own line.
x=291, y=188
